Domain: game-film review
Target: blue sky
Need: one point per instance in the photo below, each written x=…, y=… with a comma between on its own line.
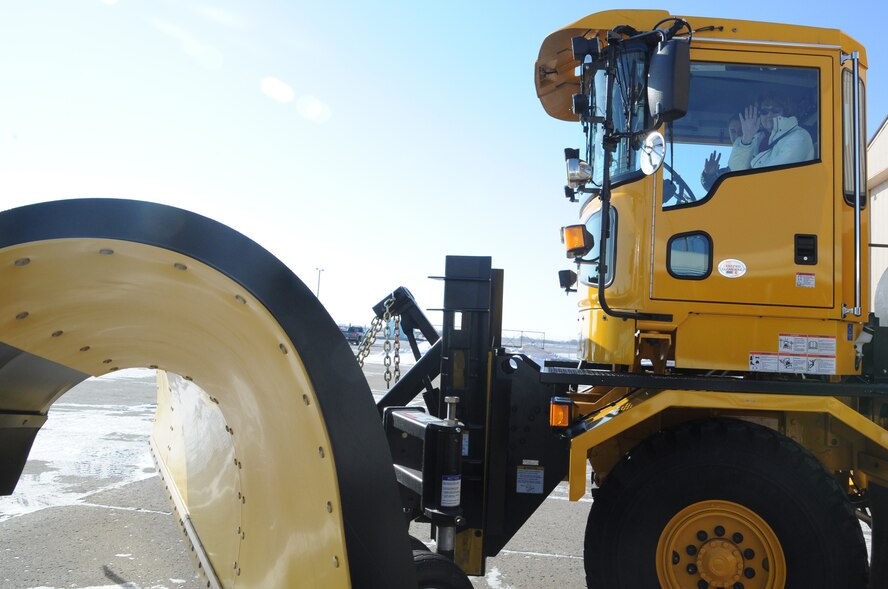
x=367, y=139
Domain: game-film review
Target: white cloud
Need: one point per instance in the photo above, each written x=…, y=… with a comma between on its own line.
x=221, y=16
x=203, y=54
x=276, y=89
x=313, y=109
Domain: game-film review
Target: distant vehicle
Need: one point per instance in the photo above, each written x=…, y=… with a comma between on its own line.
x=353, y=333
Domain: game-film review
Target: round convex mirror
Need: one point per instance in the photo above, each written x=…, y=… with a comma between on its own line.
x=652, y=152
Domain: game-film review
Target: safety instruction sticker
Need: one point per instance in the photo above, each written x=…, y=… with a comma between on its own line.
x=797, y=354
x=817, y=345
x=530, y=480
x=763, y=362
x=821, y=365
x=805, y=280
x=450, y=489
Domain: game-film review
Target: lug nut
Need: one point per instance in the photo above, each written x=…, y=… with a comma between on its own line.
x=692, y=569
x=719, y=531
x=748, y=573
x=749, y=554
x=702, y=536
x=675, y=558
x=701, y=584
x=737, y=538
x=691, y=550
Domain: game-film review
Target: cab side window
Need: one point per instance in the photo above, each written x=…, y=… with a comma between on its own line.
x=741, y=118
x=848, y=138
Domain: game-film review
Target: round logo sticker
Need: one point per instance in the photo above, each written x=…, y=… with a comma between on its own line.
x=731, y=268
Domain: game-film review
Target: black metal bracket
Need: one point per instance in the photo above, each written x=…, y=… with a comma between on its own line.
x=427, y=454
x=412, y=317
x=428, y=365
x=728, y=384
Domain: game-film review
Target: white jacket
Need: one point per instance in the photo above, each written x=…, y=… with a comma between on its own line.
x=787, y=144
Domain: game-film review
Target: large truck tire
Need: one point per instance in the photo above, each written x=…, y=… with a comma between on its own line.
x=723, y=503
x=436, y=571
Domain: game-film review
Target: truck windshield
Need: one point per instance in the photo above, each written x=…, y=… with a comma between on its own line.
x=630, y=111
x=630, y=115
x=595, y=138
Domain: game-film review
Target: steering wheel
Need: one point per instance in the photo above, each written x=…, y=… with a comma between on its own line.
x=684, y=194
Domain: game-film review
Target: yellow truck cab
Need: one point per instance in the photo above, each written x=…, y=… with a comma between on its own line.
x=727, y=379
x=766, y=235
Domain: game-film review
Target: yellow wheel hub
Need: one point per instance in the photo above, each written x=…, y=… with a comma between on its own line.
x=719, y=544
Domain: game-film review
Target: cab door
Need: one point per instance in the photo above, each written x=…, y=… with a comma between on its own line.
x=760, y=235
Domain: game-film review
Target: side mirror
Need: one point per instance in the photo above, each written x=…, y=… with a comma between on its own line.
x=669, y=81
x=653, y=151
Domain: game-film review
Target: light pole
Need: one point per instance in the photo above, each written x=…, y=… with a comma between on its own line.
x=318, y=290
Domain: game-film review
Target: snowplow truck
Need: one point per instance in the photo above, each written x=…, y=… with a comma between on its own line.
x=727, y=410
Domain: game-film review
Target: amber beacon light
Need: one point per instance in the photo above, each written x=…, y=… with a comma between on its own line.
x=577, y=240
x=559, y=411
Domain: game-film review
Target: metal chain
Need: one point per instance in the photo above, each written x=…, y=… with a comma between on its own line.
x=387, y=345
x=397, y=371
x=376, y=325
x=369, y=340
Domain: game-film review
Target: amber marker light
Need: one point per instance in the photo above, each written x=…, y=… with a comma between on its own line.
x=559, y=411
x=577, y=240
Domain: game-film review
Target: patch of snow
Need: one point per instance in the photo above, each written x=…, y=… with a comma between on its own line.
x=494, y=579
x=129, y=373
x=107, y=444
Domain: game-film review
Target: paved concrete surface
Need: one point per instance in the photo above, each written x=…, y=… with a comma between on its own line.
x=89, y=511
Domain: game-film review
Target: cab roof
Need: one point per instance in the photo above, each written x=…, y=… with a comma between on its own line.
x=554, y=71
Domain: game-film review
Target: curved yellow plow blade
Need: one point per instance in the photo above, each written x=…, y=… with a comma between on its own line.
x=266, y=433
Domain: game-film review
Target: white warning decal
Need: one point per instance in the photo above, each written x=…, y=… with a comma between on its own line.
x=797, y=354
x=821, y=365
x=792, y=364
x=530, y=480
x=821, y=346
x=793, y=344
x=805, y=280
x=731, y=268
x=419, y=416
x=450, y=490
x=763, y=362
